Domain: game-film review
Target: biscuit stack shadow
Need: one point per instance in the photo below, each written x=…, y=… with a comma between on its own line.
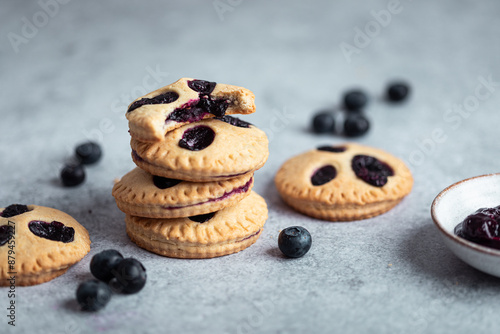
x=191, y=194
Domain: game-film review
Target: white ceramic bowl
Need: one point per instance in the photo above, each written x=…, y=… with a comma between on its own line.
x=454, y=204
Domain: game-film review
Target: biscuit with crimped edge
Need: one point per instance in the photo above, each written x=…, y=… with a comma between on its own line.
x=37, y=259
x=346, y=197
x=234, y=151
x=137, y=194
x=228, y=231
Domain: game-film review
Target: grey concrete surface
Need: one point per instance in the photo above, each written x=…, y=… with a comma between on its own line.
x=67, y=75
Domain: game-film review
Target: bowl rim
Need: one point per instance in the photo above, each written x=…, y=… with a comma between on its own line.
x=468, y=244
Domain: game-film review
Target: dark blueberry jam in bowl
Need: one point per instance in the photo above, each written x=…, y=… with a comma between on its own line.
x=467, y=215
x=481, y=227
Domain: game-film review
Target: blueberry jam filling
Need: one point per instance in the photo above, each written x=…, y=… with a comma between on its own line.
x=190, y=115
x=334, y=149
x=197, y=138
x=481, y=227
x=250, y=236
x=14, y=210
x=235, y=121
x=239, y=190
x=371, y=170
x=165, y=98
x=195, y=110
x=323, y=175
x=6, y=233
x=164, y=183
x=202, y=86
x=216, y=107
x=202, y=218
x=137, y=157
x=55, y=231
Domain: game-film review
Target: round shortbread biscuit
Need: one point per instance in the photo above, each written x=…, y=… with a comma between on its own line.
x=233, y=150
x=139, y=193
x=228, y=231
x=185, y=101
x=323, y=183
x=39, y=244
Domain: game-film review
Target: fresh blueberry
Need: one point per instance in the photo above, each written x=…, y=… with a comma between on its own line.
x=323, y=175
x=14, y=210
x=93, y=295
x=55, y=231
x=397, y=91
x=355, y=100
x=129, y=276
x=103, y=264
x=371, y=170
x=88, y=153
x=202, y=218
x=197, y=138
x=323, y=122
x=356, y=125
x=294, y=241
x=164, y=183
x=72, y=175
x=6, y=233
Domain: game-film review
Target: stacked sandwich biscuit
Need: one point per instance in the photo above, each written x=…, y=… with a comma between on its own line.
x=191, y=194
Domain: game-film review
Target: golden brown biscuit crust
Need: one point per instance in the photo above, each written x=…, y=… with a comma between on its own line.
x=230, y=230
x=136, y=195
x=148, y=122
x=37, y=259
x=346, y=197
x=234, y=151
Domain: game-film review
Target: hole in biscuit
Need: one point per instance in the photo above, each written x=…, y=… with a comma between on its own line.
x=6, y=233
x=197, y=138
x=202, y=218
x=14, y=210
x=371, y=170
x=235, y=121
x=202, y=86
x=323, y=175
x=55, y=231
x=164, y=98
x=334, y=149
x=164, y=183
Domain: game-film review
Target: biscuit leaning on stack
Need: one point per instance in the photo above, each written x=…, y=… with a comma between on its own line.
x=191, y=195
